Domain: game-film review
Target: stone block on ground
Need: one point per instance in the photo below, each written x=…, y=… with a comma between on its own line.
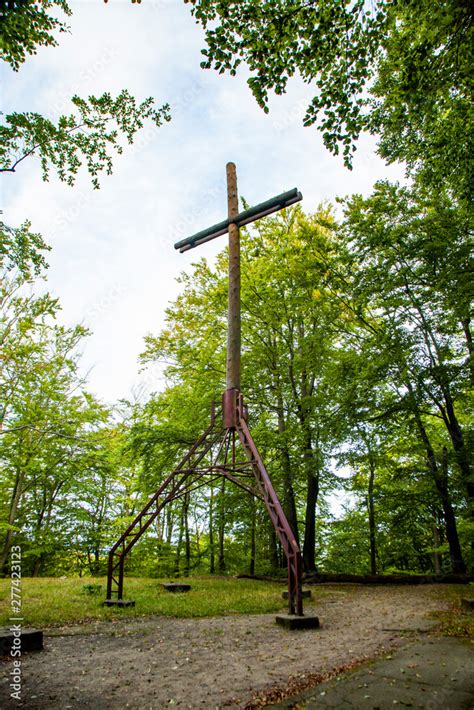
x=467, y=603
x=26, y=639
x=177, y=587
x=119, y=602
x=294, y=622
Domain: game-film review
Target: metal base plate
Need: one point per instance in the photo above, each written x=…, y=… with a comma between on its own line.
x=293, y=622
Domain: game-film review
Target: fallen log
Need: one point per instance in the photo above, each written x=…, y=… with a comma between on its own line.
x=341, y=578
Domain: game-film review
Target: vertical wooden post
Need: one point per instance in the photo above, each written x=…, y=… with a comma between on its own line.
x=233, y=316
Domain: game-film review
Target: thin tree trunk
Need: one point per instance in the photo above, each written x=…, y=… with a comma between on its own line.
x=460, y=450
x=180, y=542
x=253, y=536
x=38, y=565
x=212, y=557
x=372, y=526
x=466, y=323
x=274, y=559
x=441, y=481
x=169, y=525
x=221, y=553
x=289, y=503
x=312, y=478
x=457, y=561
x=437, y=560
x=187, y=540
x=14, y=503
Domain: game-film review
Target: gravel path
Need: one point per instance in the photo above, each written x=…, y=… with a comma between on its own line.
x=222, y=662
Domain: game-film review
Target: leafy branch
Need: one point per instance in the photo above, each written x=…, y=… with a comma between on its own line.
x=87, y=136
x=27, y=24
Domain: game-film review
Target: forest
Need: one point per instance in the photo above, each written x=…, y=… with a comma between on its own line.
x=357, y=361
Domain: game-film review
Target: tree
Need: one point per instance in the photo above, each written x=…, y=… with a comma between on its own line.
x=288, y=329
x=414, y=265
x=87, y=136
x=21, y=250
x=400, y=70
x=46, y=416
x=75, y=139
x=27, y=24
x=44, y=422
x=407, y=277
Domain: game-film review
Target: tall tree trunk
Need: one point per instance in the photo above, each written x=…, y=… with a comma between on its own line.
x=212, y=556
x=273, y=548
x=221, y=554
x=187, y=541
x=312, y=478
x=372, y=526
x=437, y=559
x=253, y=536
x=38, y=565
x=180, y=542
x=460, y=450
x=441, y=481
x=169, y=524
x=289, y=503
x=448, y=411
x=466, y=323
x=14, y=503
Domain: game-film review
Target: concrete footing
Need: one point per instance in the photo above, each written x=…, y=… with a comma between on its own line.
x=305, y=593
x=119, y=602
x=467, y=604
x=24, y=639
x=177, y=587
x=293, y=622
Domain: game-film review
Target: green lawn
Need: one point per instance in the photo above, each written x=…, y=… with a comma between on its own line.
x=50, y=600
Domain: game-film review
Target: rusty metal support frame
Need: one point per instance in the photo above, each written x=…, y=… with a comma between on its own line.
x=219, y=441
x=189, y=475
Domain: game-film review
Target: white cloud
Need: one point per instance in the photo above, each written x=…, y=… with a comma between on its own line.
x=113, y=265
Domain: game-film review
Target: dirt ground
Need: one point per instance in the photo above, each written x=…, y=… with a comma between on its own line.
x=222, y=662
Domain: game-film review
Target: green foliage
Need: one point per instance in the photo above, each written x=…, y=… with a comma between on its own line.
x=288, y=331
x=87, y=136
x=27, y=24
x=91, y=588
x=422, y=105
x=354, y=337
x=401, y=70
x=356, y=373
x=91, y=134
x=347, y=544
x=331, y=43
x=48, y=421
x=21, y=249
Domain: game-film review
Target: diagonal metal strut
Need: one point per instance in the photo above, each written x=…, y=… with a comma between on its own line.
x=192, y=474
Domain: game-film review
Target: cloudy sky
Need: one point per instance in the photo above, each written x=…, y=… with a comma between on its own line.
x=113, y=265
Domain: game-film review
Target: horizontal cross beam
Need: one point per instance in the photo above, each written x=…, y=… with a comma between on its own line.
x=253, y=213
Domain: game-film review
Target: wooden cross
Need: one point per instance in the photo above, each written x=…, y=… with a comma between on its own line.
x=232, y=225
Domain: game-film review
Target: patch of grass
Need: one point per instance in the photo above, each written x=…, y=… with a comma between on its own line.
x=91, y=589
x=48, y=601
x=455, y=621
